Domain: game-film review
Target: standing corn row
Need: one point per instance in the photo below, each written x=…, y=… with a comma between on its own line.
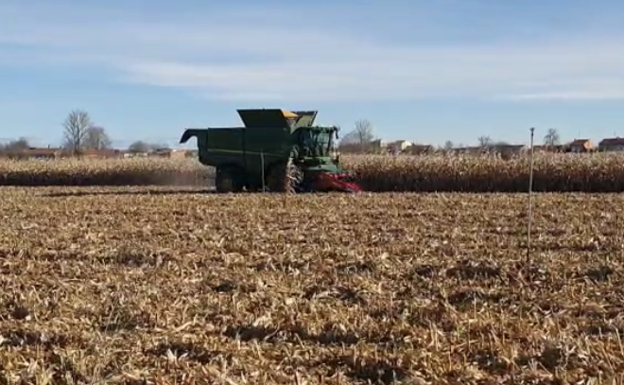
x=602, y=172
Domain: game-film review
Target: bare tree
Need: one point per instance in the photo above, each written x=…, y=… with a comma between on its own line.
x=485, y=141
x=361, y=135
x=552, y=137
x=142, y=146
x=448, y=145
x=349, y=138
x=96, y=138
x=160, y=147
x=139, y=146
x=16, y=145
x=76, y=126
x=364, y=131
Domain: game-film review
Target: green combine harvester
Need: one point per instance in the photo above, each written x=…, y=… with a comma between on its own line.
x=276, y=150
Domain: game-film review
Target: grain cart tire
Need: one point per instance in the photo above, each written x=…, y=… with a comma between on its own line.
x=228, y=180
x=285, y=177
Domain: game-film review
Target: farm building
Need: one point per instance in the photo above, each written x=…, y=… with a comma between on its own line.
x=169, y=153
x=581, y=145
x=102, y=154
x=34, y=153
x=611, y=144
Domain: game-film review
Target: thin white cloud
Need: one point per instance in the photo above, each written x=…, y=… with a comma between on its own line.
x=571, y=95
x=226, y=59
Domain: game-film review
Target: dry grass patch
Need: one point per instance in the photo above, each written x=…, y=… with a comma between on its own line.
x=122, y=285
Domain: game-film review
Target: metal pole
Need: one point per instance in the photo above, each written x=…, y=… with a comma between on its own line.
x=530, y=208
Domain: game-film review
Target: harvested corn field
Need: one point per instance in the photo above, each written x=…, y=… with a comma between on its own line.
x=600, y=172
x=121, y=285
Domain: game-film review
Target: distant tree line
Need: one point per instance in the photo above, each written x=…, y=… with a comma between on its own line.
x=362, y=136
x=81, y=134
x=15, y=145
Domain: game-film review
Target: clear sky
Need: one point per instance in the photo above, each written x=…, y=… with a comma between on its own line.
x=425, y=71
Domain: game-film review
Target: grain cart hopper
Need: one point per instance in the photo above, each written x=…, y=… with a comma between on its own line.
x=283, y=147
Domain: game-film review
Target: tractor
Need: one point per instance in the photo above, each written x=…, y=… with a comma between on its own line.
x=276, y=150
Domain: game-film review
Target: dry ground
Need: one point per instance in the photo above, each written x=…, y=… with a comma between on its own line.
x=115, y=285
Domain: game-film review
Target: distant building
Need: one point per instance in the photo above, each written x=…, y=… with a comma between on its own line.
x=419, y=149
x=168, y=153
x=373, y=147
x=470, y=150
x=34, y=153
x=398, y=146
x=509, y=150
x=557, y=148
x=178, y=154
x=611, y=144
x=102, y=154
x=581, y=145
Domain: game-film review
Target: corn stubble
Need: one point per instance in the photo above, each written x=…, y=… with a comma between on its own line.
x=172, y=286
x=600, y=172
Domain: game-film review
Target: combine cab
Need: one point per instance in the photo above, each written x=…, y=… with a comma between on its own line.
x=276, y=150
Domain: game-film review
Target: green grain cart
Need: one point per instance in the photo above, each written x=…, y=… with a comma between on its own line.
x=276, y=150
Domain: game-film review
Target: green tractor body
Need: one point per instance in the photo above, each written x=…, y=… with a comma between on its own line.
x=277, y=150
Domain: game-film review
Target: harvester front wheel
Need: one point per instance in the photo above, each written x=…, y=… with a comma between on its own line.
x=286, y=178
x=227, y=180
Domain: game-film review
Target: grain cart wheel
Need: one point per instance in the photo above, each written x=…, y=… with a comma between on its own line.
x=228, y=180
x=286, y=178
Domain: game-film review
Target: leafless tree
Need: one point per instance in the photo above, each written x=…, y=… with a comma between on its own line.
x=485, y=141
x=160, y=147
x=142, y=146
x=349, y=138
x=552, y=137
x=15, y=145
x=361, y=135
x=139, y=146
x=448, y=145
x=364, y=131
x=77, y=126
x=96, y=138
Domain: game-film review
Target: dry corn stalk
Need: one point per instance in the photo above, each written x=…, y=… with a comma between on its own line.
x=600, y=172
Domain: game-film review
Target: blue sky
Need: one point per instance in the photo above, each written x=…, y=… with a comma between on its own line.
x=425, y=71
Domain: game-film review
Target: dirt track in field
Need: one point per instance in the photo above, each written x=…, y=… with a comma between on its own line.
x=119, y=284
